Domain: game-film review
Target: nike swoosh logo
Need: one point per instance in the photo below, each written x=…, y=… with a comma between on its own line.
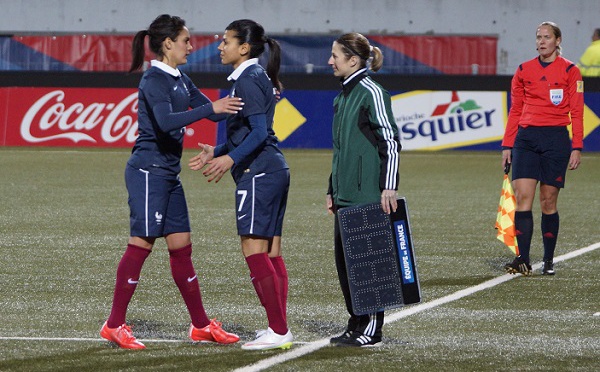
x=192, y=278
x=131, y=281
x=242, y=216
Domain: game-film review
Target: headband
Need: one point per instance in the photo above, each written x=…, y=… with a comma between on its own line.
x=347, y=46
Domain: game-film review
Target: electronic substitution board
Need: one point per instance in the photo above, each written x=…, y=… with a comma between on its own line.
x=380, y=257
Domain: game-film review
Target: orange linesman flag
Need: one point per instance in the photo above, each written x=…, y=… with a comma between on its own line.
x=505, y=220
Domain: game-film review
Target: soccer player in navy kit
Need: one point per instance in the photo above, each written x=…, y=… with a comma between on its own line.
x=259, y=170
x=156, y=199
x=546, y=97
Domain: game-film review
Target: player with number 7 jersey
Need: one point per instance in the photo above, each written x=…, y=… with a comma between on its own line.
x=259, y=170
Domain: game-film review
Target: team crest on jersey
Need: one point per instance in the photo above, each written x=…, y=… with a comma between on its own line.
x=556, y=96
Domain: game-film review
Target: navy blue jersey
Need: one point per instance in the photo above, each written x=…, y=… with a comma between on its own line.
x=257, y=91
x=165, y=96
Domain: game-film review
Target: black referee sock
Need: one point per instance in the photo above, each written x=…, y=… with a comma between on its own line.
x=550, y=225
x=524, y=231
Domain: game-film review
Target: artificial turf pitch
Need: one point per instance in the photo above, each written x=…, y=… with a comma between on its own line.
x=64, y=226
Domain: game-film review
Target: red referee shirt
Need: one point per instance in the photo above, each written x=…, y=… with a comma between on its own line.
x=544, y=97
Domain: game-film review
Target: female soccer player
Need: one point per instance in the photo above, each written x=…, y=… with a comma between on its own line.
x=365, y=159
x=546, y=96
x=156, y=199
x=259, y=170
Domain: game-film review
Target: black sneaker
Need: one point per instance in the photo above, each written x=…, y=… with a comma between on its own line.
x=518, y=266
x=360, y=340
x=548, y=268
x=343, y=338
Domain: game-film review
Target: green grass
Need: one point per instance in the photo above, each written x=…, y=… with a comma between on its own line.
x=64, y=226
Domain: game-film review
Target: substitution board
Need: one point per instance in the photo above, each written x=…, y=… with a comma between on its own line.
x=380, y=257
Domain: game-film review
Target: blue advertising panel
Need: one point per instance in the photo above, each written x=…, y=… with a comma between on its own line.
x=427, y=120
x=302, y=119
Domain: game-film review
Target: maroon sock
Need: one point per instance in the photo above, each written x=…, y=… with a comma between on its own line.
x=282, y=276
x=128, y=275
x=186, y=279
x=265, y=283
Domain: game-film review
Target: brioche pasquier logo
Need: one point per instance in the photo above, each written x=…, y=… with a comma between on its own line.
x=50, y=118
x=436, y=120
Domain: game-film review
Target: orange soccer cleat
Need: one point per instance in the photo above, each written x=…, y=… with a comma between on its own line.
x=212, y=333
x=121, y=336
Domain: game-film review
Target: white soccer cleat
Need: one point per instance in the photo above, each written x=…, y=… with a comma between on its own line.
x=270, y=340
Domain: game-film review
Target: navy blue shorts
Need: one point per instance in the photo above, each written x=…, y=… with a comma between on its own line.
x=542, y=153
x=260, y=202
x=157, y=205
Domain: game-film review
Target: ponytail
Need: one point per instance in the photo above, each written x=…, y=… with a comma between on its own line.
x=376, y=59
x=274, y=63
x=138, y=50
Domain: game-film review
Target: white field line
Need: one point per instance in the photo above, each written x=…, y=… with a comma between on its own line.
x=312, y=346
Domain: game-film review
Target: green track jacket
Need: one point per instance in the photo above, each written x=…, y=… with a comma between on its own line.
x=365, y=143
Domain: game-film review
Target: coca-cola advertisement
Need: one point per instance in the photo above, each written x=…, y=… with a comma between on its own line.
x=86, y=117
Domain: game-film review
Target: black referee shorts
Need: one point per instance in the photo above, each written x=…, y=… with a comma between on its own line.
x=542, y=153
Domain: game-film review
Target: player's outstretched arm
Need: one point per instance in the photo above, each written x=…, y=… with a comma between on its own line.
x=199, y=161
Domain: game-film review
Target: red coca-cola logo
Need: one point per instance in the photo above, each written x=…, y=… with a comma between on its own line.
x=50, y=118
x=76, y=117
